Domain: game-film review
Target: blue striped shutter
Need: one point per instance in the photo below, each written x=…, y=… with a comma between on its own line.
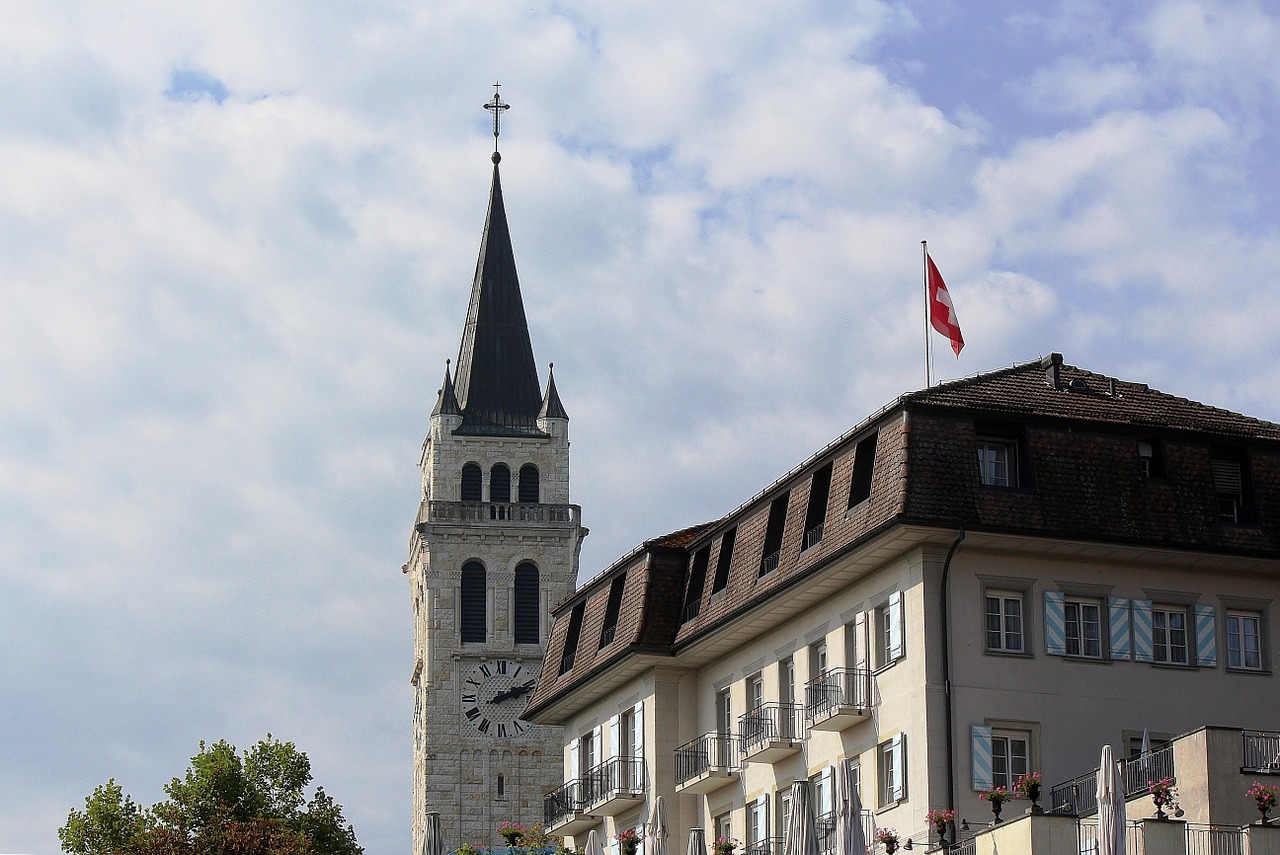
x=980, y=753
x=1206, y=640
x=896, y=647
x=1118, y=608
x=1055, y=623
x=1142, y=647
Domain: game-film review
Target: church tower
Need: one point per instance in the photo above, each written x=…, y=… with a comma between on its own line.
x=495, y=544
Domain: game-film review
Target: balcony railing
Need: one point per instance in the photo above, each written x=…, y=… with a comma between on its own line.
x=691, y=611
x=564, y=802
x=1261, y=751
x=768, y=724
x=1079, y=796
x=617, y=776
x=765, y=846
x=500, y=513
x=812, y=537
x=1087, y=836
x=1214, y=839
x=770, y=563
x=847, y=688
x=711, y=751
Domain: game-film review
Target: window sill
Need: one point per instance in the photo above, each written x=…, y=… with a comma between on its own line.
x=1011, y=654
x=1249, y=672
x=1178, y=666
x=1089, y=660
x=885, y=808
x=854, y=508
x=886, y=666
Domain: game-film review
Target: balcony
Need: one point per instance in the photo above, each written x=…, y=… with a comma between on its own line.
x=530, y=514
x=1261, y=752
x=564, y=809
x=615, y=785
x=839, y=698
x=770, y=732
x=1079, y=796
x=707, y=763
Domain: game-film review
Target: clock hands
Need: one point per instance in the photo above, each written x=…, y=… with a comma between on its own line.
x=513, y=692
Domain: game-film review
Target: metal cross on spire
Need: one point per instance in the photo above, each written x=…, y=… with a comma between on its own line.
x=497, y=106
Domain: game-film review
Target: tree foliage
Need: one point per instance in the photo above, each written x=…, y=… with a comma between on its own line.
x=226, y=803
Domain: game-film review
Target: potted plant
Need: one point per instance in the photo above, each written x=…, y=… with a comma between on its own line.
x=996, y=796
x=939, y=819
x=725, y=845
x=628, y=841
x=1162, y=792
x=512, y=832
x=1028, y=787
x=469, y=849
x=1264, y=796
x=888, y=838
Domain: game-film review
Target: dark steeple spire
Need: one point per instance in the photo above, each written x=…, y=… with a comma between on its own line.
x=551, y=406
x=497, y=381
x=447, y=400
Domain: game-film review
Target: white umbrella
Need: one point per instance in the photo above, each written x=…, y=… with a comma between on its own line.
x=850, y=838
x=432, y=839
x=594, y=846
x=1111, y=819
x=655, y=830
x=802, y=830
x=697, y=841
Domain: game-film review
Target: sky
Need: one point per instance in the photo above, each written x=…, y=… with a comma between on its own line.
x=237, y=242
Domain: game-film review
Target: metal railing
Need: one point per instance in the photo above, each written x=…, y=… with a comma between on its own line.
x=563, y=802
x=813, y=536
x=691, y=611
x=765, y=846
x=1087, y=837
x=837, y=687
x=1214, y=839
x=436, y=511
x=617, y=775
x=770, y=563
x=1261, y=751
x=769, y=723
x=711, y=750
x=1142, y=771
x=1079, y=796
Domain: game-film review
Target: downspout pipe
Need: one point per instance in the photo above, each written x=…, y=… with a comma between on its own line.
x=946, y=670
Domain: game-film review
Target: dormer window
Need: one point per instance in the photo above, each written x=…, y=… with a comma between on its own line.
x=864, y=459
x=571, y=637
x=612, y=609
x=724, y=561
x=816, y=514
x=1151, y=458
x=1232, y=487
x=771, y=554
x=997, y=462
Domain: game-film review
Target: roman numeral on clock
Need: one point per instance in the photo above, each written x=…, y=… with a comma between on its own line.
x=473, y=713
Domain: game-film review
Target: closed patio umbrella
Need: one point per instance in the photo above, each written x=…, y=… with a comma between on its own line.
x=432, y=839
x=850, y=837
x=594, y=846
x=697, y=842
x=655, y=830
x=1111, y=819
x=802, y=830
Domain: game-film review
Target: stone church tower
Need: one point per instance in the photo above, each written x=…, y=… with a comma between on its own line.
x=495, y=544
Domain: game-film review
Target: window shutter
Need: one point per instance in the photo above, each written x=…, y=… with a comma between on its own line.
x=1055, y=623
x=829, y=797
x=899, y=749
x=1142, y=648
x=1226, y=476
x=575, y=770
x=896, y=648
x=1118, y=608
x=980, y=756
x=638, y=721
x=615, y=736
x=1206, y=640
x=860, y=644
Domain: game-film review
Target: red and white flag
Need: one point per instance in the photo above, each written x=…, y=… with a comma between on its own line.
x=942, y=314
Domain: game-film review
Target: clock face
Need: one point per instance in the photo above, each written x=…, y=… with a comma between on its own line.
x=494, y=693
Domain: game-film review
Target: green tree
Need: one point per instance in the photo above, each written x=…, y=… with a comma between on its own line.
x=226, y=803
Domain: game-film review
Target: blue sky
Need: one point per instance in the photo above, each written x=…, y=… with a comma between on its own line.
x=236, y=245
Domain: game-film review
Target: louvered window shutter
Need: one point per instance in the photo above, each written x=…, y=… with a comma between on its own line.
x=1142, y=648
x=899, y=767
x=896, y=646
x=1118, y=609
x=1206, y=637
x=860, y=640
x=615, y=733
x=980, y=756
x=575, y=767
x=1055, y=623
x=638, y=719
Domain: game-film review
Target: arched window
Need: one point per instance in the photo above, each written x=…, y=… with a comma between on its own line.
x=472, y=489
x=527, y=617
x=473, y=611
x=529, y=483
x=500, y=483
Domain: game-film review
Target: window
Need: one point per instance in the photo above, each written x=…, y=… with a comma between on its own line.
x=823, y=797
x=1231, y=485
x=1244, y=640
x=891, y=758
x=588, y=753
x=816, y=514
x=997, y=462
x=757, y=822
x=724, y=713
x=1004, y=621
x=1151, y=458
x=500, y=483
x=501, y=787
x=571, y=638
x=888, y=641
x=755, y=691
x=529, y=487
x=472, y=483
x=772, y=551
x=527, y=622
x=724, y=825
x=1010, y=757
x=612, y=608
x=783, y=822
x=627, y=733
x=817, y=659
x=864, y=458
x=1083, y=628
x=474, y=603
x=697, y=581
x=724, y=560
x=1169, y=634
x=787, y=681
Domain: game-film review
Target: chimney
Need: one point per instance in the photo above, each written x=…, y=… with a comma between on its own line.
x=1052, y=365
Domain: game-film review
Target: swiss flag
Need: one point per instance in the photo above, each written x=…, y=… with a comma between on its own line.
x=942, y=314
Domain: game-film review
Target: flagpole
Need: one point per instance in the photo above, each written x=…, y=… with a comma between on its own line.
x=924, y=276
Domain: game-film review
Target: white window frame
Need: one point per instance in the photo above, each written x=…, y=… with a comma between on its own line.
x=755, y=691
x=891, y=767
x=757, y=822
x=1165, y=646
x=1004, y=620
x=787, y=680
x=1237, y=636
x=784, y=814
x=997, y=462
x=1079, y=623
x=1003, y=743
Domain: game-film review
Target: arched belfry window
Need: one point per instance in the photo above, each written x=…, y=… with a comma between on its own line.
x=529, y=483
x=472, y=488
x=527, y=612
x=473, y=610
x=500, y=483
